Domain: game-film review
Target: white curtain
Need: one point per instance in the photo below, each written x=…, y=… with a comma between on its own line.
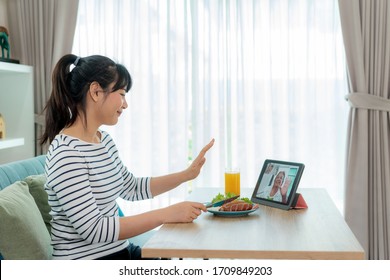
x=264, y=78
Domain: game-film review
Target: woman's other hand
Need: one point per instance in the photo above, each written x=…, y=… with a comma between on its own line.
x=286, y=185
x=183, y=212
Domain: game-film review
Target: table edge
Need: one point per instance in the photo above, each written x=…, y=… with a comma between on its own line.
x=233, y=254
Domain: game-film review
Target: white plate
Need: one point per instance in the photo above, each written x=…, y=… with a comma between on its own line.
x=216, y=212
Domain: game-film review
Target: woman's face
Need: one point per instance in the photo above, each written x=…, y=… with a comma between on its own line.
x=269, y=168
x=279, y=179
x=113, y=106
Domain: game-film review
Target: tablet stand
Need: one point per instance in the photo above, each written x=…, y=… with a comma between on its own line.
x=298, y=202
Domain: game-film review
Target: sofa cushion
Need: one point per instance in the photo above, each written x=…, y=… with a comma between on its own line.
x=23, y=234
x=36, y=186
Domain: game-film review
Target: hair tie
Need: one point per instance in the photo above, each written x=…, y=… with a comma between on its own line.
x=76, y=61
x=70, y=113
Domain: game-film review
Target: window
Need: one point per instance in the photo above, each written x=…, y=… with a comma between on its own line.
x=266, y=79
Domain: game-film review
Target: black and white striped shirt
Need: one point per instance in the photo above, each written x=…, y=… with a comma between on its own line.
x=83, y=182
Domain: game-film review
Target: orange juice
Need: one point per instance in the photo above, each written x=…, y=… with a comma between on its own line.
x=232, y=182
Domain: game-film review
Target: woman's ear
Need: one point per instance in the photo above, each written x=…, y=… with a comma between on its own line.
x=94, y=90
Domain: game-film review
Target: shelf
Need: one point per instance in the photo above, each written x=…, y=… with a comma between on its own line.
x=17, y=109
x=7, y=67
x=10, y=143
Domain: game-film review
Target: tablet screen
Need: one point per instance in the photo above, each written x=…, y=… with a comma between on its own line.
x=277, y=183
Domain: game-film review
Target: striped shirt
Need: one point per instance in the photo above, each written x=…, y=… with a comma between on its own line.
x=83, y=182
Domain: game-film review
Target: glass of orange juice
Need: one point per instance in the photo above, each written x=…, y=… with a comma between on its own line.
x=232, y=181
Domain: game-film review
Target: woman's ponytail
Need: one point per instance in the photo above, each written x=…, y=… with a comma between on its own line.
x=60, y=109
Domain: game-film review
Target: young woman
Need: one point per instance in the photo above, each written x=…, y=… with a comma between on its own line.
x=84, y=173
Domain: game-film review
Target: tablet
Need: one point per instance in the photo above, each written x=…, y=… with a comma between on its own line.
x=278, y=183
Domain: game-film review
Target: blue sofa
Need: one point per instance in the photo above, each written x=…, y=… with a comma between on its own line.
x=24, y=211
x=19, y=170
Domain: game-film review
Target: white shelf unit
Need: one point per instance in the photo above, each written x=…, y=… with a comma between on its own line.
x=17, y=109
x=10, y=143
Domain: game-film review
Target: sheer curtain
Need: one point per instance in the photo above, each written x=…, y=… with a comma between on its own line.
x=264, y=78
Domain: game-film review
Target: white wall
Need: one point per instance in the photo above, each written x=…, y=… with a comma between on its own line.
x=3, y=13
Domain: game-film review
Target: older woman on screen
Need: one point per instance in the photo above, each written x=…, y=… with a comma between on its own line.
x=277, y=191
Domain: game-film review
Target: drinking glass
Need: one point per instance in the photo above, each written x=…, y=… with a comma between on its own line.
x=232, y=181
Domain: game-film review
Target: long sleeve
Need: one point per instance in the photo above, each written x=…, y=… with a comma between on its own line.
x=83, y=182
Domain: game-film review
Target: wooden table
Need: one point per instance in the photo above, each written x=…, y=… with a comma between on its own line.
x=318, y=232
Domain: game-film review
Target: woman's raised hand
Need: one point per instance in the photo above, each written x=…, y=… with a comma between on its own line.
x=194, y=169
x=286, y=185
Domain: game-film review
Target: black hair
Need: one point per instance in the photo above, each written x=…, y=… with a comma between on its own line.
x=70, y=88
